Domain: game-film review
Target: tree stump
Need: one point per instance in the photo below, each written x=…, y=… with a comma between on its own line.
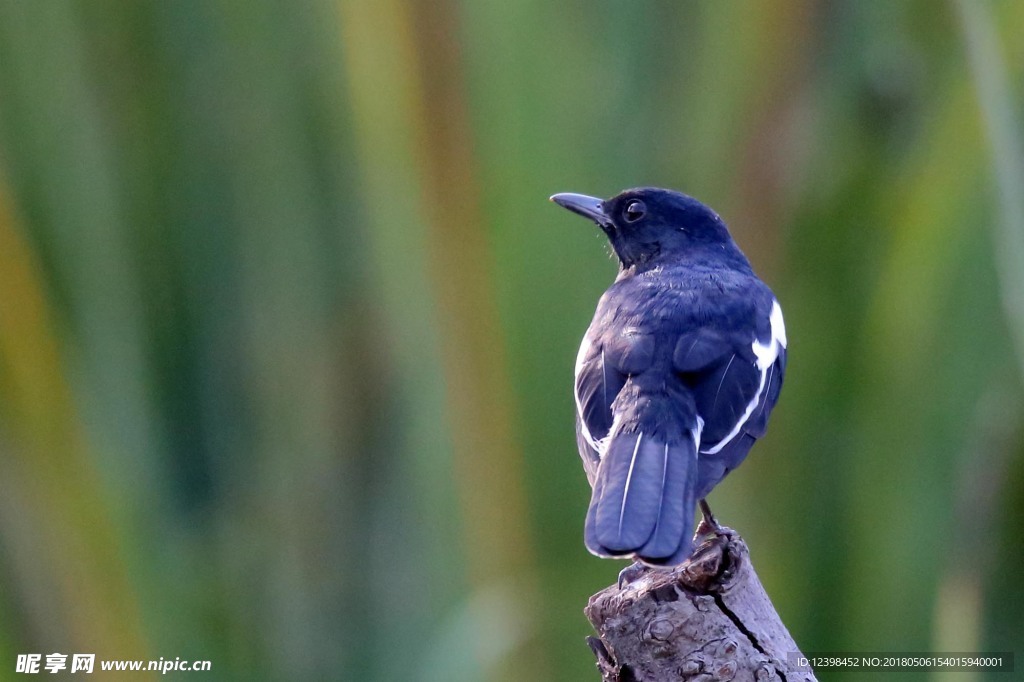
x=706, y=620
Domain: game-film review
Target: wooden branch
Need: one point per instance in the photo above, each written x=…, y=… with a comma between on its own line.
x=706, y=620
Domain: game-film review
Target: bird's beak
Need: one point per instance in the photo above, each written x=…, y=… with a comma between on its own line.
x=588, y=207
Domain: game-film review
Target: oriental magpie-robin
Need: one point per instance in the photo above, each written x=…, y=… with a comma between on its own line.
x=677, y=374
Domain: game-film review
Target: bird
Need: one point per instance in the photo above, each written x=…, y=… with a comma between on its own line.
x=676, y=375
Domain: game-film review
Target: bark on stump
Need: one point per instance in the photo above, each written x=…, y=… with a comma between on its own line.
x=709, y=619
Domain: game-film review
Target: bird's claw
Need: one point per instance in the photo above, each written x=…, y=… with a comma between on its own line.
x=631, y=573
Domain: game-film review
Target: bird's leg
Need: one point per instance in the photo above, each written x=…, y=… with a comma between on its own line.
x=708, y=523
x=631, y=573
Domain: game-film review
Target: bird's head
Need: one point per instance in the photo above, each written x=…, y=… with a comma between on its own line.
x=649, y=224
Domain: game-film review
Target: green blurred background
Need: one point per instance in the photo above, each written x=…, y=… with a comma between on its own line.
x=287, y=324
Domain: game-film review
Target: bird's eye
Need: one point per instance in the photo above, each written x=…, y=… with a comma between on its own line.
x=635, y=210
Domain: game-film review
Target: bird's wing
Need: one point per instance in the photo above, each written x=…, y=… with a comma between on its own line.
x=734, y=374
x=757, y=424
x=603, y=366
x=604, y=363
x=598, y=382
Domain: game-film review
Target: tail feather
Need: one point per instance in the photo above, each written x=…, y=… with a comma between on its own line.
x=643, y=501
x=681, y=553
x=675, y=516
x=627, y=510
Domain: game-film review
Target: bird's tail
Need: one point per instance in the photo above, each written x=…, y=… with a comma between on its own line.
x=643, y=501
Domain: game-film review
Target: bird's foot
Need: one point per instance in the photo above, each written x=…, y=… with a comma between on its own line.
x=709, y=562
x=631, y=573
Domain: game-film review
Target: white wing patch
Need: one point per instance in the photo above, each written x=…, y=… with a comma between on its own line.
x=766, y=354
